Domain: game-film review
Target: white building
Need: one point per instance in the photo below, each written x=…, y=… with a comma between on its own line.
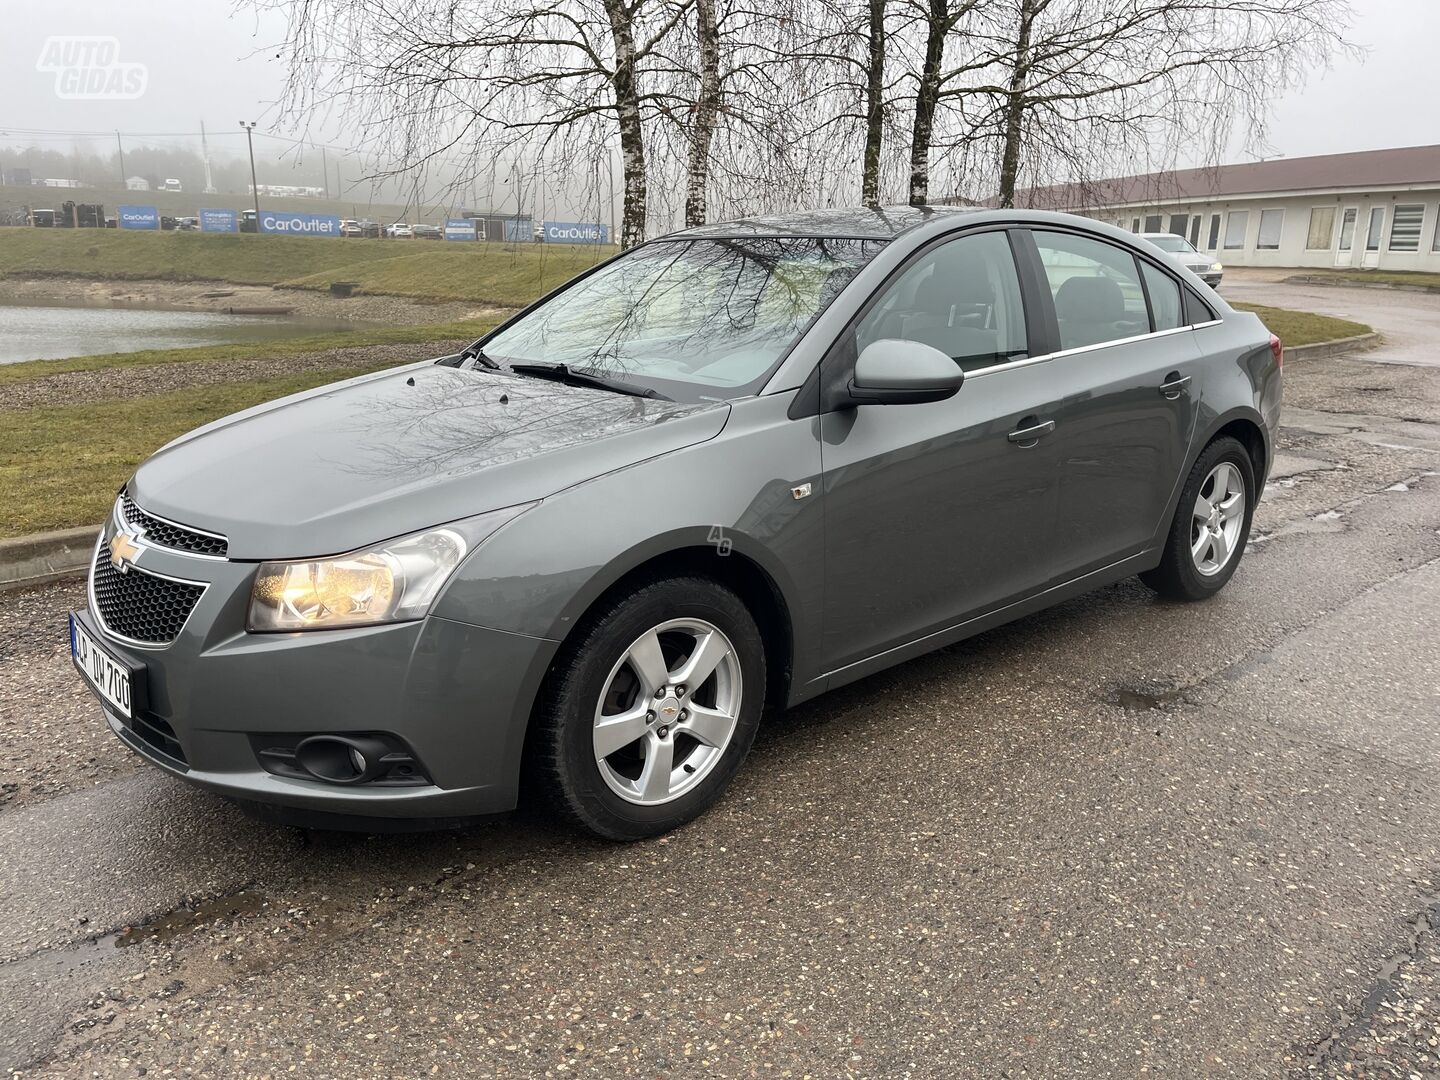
x=137, y=183
x=1378, y=209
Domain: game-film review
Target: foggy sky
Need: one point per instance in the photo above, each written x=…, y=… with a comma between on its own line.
x=209, y=62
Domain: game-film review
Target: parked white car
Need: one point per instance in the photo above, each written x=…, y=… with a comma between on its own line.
x=1183, y=252
x=400, y=229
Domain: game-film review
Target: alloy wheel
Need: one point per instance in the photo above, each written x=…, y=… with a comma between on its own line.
x=1217, y=518
x=667, y=711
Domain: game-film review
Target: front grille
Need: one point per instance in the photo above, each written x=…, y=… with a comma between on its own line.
x=166, y=534
x=140, y=606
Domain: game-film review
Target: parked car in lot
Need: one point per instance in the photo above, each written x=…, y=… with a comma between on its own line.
x=249, y=223
x=187, y=224
x=1206, y=267
x=350, y=227
x=371, y=230
x=399, y=229
x=724, y=472
x=427, y=232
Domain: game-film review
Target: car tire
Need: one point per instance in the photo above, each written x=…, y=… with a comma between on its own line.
x=1192, y=566
x=601, y=689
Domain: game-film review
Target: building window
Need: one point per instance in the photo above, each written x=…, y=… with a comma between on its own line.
x=1435, y=244
x=1178, y=222
x=1237, y=223
x=1195, y=231
x=1135, y=225
x=1271, y=222
x=1347, y=229
x=1405, y=226
x=1322, y=228
x=1376, y=228
x=1214, y=233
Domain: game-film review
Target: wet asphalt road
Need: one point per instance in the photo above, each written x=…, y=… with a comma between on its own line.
x=1119, y=838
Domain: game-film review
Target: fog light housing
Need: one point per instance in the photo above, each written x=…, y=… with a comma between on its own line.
x=351, y=759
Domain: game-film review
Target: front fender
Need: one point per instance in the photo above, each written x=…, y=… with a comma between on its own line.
x=542, y=572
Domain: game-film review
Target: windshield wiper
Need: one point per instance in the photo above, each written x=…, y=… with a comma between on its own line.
x=564, y=373
x=473, y=351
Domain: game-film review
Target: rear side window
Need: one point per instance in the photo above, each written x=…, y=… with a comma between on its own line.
x=961, y=297
x=1164, y=298
x=1096, y=289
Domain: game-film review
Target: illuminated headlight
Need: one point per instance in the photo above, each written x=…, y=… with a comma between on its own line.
x=1217, y=267
x=393, y=581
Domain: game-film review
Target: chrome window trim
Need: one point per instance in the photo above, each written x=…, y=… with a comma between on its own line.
x=153, y=646
x=1029, y=360
x=121, y=523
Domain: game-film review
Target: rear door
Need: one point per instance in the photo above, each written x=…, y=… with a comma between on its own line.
x=1127, y=380
x=937, y=511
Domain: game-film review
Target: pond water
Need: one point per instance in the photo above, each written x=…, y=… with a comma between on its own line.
x=39, y=330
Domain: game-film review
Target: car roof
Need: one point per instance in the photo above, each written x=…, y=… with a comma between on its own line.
x=864, y=223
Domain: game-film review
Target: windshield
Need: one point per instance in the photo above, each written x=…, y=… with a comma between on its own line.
x=1171, y=243
x=692, y=318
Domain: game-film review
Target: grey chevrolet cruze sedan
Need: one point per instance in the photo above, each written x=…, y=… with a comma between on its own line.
x=724, y=472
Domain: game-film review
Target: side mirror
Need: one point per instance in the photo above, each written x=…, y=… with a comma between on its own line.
x=894, y=372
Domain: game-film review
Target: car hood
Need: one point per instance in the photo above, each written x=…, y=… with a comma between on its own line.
x=346, y=465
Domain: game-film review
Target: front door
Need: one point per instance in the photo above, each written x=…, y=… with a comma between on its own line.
x=1128, y=380
x=1373, y=233
x=1345, y=249
x=939, y=511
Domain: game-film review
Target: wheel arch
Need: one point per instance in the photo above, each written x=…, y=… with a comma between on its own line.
x=736, y=562
x=1247, y=428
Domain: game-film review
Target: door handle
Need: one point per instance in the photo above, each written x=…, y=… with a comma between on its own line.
x=1034, y=428
x=1174, y=385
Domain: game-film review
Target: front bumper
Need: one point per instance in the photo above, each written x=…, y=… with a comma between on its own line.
x=458, y=695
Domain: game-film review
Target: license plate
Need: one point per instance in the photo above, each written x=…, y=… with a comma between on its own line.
x=109, y=677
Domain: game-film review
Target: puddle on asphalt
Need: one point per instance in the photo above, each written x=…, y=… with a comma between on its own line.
x=1143, y=700
x=171, y=925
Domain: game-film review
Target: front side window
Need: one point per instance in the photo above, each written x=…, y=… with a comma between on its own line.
x=1405, y=226
x=961, y=297
x=1096, y=289
x=692, y=318
x=1322, y=228
x=1271, y=223
x=1237, y=223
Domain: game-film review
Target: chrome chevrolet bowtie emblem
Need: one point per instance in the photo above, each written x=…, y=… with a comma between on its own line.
x=124, y=551
x=668, y=710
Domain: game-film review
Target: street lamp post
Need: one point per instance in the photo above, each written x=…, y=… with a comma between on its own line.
x=254, y=184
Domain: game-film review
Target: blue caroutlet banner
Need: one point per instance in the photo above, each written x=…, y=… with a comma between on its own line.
x=576, y=232
x=219, y=221
x=138, y=217
x=288, y=224
x=459, y=229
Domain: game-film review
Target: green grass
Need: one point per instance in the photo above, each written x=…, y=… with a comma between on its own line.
x=61, y=465
x=499, y=275
x=505, y=274
x=1384, y=277
x=1304, y=327
x=269, y=350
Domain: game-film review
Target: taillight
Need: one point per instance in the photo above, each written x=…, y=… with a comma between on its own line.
x=1277, y=350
